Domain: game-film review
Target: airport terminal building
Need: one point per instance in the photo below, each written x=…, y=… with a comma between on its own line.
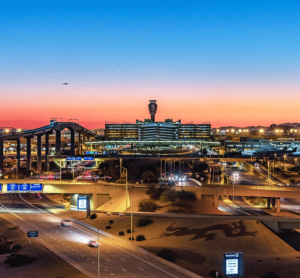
x=152, y=133
x=150, y=130
x=157, y=131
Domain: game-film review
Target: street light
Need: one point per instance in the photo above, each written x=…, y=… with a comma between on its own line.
x=126, y=171
x=235, y=177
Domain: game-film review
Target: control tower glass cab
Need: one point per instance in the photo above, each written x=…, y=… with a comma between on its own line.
x=152, y=109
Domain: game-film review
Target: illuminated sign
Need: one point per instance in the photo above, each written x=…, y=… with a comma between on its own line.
x=33, y=234
x=36, y=187
x=11, y=187
x=88, y=158
x=91, y=152
x=73, y=158
x=24, y=187
x=82, y=202
x=0, y=187
x=234, y=265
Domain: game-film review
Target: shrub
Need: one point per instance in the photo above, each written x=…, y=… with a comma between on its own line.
x=129, y=231
x=121, y=181
x=111, y=222
x=121, y=233
x=144, y=221
x=132, y=238
x=167, y=254
x=169, y=195
x=147, y=205
x=15, y=260
x=156, y=193
x=93, y=216
x=150, y=189
x=108, y=227
x=140, y=238
x=176, y=210
x=187, y=196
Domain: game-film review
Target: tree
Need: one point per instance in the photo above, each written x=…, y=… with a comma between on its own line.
x=148, y=176
x=169, y=195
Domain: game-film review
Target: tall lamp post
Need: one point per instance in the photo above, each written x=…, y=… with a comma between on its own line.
x=235, y=177
x=131, y=205
x=126, y=172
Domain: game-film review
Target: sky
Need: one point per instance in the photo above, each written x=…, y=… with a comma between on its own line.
x=228, y=62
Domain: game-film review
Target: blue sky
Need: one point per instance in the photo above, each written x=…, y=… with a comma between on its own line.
x=146, y=49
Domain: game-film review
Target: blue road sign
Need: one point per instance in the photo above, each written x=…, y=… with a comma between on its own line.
x=88, y=158
x=73, y=158
x=33, y=234
x=36, y=187
x=12, y=187
x=0, y=187
x=24, y=187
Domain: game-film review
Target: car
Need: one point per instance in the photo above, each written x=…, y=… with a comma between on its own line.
x=66, y=223
x=93, y=243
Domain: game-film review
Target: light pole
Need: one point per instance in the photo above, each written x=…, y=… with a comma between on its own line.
x=235, y=176
x=60, y=169
x=98, y=255
x=126, y=185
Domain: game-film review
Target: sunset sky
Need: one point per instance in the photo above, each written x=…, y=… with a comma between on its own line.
x=227, y=62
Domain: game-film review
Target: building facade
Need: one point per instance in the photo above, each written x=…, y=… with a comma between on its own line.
x=157, y=131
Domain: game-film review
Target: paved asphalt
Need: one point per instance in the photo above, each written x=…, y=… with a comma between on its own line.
x=30, y=212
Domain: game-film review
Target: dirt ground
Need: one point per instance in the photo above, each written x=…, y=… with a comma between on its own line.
x=200, y=243
x=48, y=265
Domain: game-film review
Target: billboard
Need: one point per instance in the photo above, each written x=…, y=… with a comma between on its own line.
x=12, y=187
x=36, y=187
x=24, y=187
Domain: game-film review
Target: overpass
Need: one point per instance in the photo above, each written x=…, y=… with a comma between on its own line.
x=102, y=192
x=45, y=131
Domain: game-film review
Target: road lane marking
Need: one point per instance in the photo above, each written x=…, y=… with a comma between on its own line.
x=128, y=252
x=123, y=259
x=140, y=269
x=124, y=269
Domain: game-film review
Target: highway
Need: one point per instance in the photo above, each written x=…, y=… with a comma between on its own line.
x=32, y=213
x=240, y=207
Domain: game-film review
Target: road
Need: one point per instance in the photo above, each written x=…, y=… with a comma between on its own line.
x=245, y=178
x=32, y=213
x=240, y=207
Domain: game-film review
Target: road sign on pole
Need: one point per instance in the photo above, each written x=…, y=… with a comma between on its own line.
x=67, y=206
x=32, y=234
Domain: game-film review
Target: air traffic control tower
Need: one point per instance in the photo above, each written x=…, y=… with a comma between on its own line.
x=152, y=109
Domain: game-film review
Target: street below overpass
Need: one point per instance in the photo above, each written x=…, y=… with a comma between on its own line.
x=33, y=212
